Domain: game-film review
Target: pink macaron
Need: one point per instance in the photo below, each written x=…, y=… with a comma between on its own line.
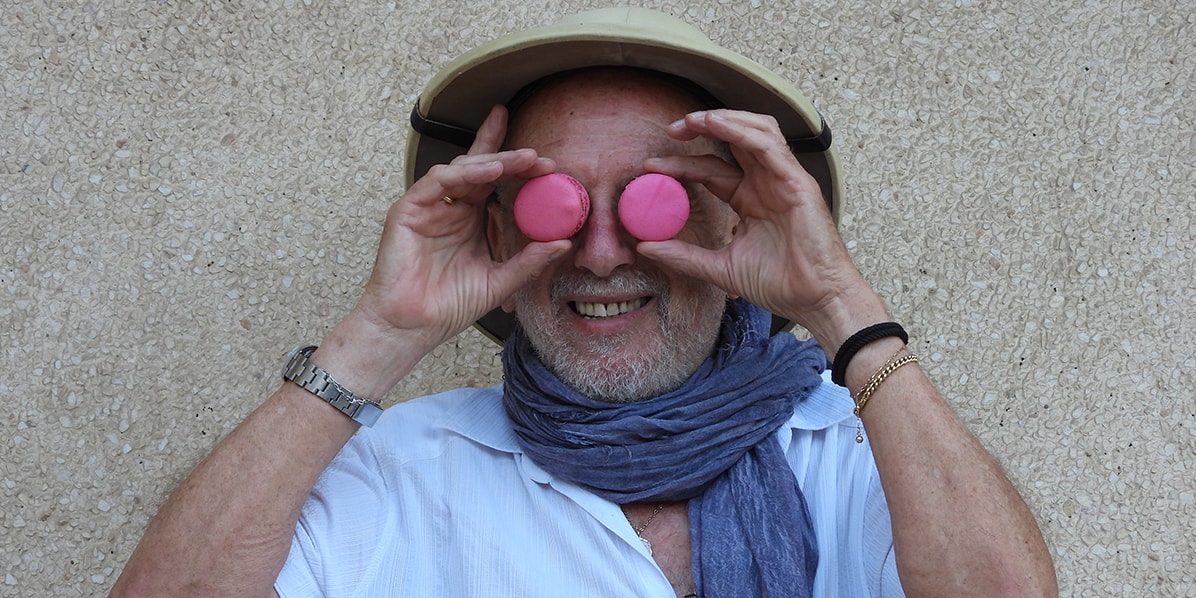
x=551, y=207
x=654, y=207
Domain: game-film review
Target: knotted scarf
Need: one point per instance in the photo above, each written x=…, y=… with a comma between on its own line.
x=711, y=442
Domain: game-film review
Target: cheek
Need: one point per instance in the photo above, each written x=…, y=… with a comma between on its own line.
x=728, y=221
x=711, y=224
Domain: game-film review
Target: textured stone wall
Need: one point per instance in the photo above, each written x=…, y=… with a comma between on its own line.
x=188, y=191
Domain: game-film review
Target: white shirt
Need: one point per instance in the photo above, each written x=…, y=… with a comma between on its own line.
x=437, y=499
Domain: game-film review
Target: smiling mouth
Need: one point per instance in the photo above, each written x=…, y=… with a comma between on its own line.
x=590, y=310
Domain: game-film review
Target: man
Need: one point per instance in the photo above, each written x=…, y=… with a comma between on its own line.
x=671, y=446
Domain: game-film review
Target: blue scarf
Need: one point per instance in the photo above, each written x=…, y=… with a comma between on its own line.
x=711, y=442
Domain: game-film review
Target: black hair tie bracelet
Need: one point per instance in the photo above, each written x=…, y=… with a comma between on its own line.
x=858, y=341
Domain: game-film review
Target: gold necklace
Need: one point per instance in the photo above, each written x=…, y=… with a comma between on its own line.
x=639, y=531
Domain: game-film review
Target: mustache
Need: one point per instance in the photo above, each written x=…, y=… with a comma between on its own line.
x=620, y=282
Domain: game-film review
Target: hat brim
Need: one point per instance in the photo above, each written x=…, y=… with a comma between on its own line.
x=461, y=95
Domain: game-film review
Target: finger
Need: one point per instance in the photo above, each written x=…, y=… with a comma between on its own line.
x=458, y=181
x=518, y=163
x=492, y=132
x=700, y=123
x=489, y=140
x=524, y=266
x=540, y=167
x=719, y=176
x=690, y=260
x=472, y=178
x=756, y=134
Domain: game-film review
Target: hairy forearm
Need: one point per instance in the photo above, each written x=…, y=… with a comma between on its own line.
x=226, y=530
x=959, y=526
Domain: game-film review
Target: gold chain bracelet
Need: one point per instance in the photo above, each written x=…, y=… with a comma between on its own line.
x=861, y=398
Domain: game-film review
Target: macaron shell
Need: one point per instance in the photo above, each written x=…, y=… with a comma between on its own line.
x=654, y=207
x=551, y=207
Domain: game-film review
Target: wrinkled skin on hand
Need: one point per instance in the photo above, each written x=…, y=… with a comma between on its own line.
x=434, y=273
x=786, y=254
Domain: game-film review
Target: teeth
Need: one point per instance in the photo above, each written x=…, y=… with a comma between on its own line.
x=606, y=310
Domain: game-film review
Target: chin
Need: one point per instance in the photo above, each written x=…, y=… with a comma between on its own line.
x=633, y=365
x=622, y=372
x=622, y=368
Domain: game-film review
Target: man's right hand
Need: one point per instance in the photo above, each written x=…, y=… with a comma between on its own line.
x=235, y=513
x=434, y=275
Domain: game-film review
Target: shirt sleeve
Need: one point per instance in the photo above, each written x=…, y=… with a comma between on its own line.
x=344, y=506
x=298, y=576
x=878, y=545
x=840, y=482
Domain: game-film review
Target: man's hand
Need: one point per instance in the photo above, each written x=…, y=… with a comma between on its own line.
x=958, y=524
x=434, y=274
x=786, y=255
x=235, y=513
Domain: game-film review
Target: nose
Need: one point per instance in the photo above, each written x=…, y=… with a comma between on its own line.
x=603, y=244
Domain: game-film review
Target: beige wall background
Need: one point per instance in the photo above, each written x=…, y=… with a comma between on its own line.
x=189, y=190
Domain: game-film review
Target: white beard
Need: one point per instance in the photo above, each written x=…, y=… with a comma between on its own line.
x=601, y=367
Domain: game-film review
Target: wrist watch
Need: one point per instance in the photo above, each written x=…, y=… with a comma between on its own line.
x=314, y=379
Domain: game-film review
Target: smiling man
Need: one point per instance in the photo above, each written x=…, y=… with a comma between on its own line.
x=655, y=326
x=655, y=435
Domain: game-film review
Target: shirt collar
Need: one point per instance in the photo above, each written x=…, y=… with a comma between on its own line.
x=482, y=418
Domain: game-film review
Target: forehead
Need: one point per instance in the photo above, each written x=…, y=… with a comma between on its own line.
x=603, y=108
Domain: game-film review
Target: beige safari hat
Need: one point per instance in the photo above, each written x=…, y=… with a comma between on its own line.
x=458, y=98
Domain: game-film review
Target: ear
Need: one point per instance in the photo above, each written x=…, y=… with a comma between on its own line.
x=495, y=229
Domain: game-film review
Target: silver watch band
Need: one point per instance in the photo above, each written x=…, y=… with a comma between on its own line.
x=312, y=378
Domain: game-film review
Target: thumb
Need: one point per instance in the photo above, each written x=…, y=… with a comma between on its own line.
x=688, y=259
x=525, y=265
